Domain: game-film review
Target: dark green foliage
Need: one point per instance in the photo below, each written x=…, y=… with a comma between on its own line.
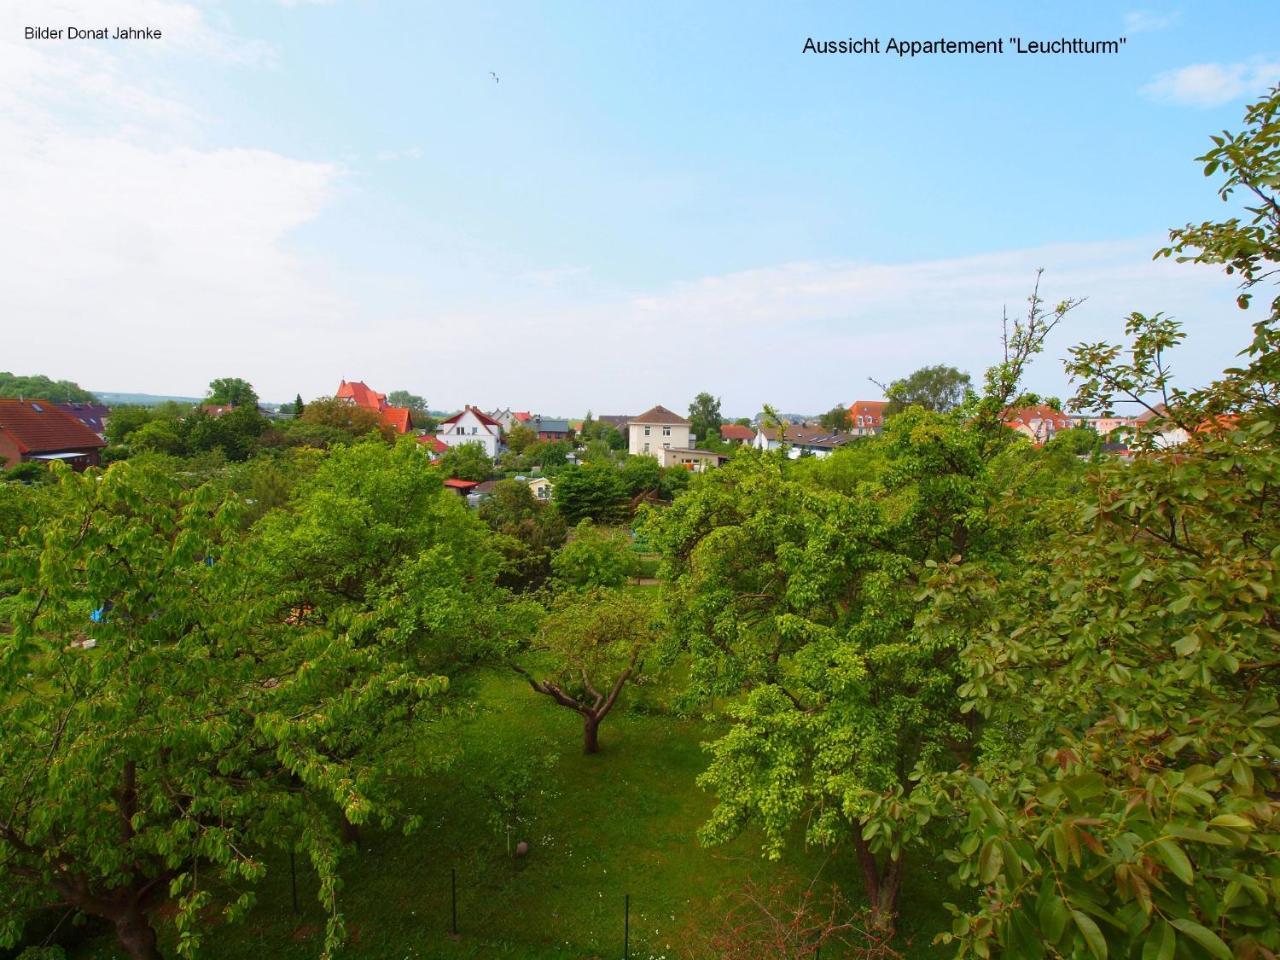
x=467, y=461
x=939, y=388
x=705, y=418
x=528, y=533
x=641, y=474
x=837, y=418
x=40, y=387
x=231, y=391
x=595, y=557
x=353, y=420
x=591, y=492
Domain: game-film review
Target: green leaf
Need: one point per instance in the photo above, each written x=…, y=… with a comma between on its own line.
x=991, y=861
x=1092, y=935
x=1175, y=860
x=1205, y=937
x=1161, y=943
x=1187, y=645
x=1053, y=916
x=1232, y=821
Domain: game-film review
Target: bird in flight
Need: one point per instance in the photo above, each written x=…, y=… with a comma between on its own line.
x=494, y=75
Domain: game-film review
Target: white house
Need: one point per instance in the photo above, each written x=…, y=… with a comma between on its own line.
x=472, y=425
x=656, y=430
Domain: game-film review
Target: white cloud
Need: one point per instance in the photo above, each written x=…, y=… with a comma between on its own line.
x=1149, y=21
x=133, y=252
x=1213, y=84
x=800, y=335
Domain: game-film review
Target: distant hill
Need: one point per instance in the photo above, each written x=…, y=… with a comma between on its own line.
x=139, y=399
x=39, y=387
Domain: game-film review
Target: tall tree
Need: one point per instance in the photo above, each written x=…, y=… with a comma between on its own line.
x=354, y=420
x=591, y=492
x=799, y=599
x=1127, y=678
x=378, y=563
x=939, y=388
x=837, y=418
x=416, y=404
x=595, y=557
x=528, y=533
x=467, y=461
x=298, y=406
x=704, y=416
x=594, y=642
x=231, y=391
x=164, y=759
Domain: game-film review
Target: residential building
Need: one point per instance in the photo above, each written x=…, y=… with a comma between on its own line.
x=548, y=429
x=697, y=461
x=655, y=430
x=541, y=488
x=617, y=421
x=472, y=425
x=1167, y=434
x=358, y=392
x=1039, y=424
x=736, y=433
x=433, y=444
x=509, y=418
x=801, y=441
x=1110, y=428
x=461, y=487
x=36, y=430
x=92, y=415
x=866, y=417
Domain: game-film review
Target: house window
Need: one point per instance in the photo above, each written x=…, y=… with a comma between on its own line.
x=646, y=448
x=474, y=430
x=666, y=446
x=666, y=431
x=646, y=433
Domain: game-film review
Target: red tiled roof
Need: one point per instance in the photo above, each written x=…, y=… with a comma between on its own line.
x=734, y=431
x=362, y=394
x=480, y=415
x=37, y=426
x=435, y=443
x=659, y=414
x=456, y=484
x=398, y=418
x=523, y=415
x=872, y=412
x=1041, y=413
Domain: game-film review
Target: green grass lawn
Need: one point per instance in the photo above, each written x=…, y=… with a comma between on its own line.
x=622, y=821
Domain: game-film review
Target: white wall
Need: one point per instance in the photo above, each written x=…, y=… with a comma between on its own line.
x=470, y=429
x=674, y=435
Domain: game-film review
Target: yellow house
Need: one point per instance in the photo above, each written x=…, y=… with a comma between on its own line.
x=657, y=430
x=540, y=487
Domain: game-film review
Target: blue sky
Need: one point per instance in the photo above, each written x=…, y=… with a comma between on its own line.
x=654, y=200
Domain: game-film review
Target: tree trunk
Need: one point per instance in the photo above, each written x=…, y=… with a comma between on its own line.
x=881, y=887
x=136, y=935
x=590, y=734
x=884, y=910
x=350, y=831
